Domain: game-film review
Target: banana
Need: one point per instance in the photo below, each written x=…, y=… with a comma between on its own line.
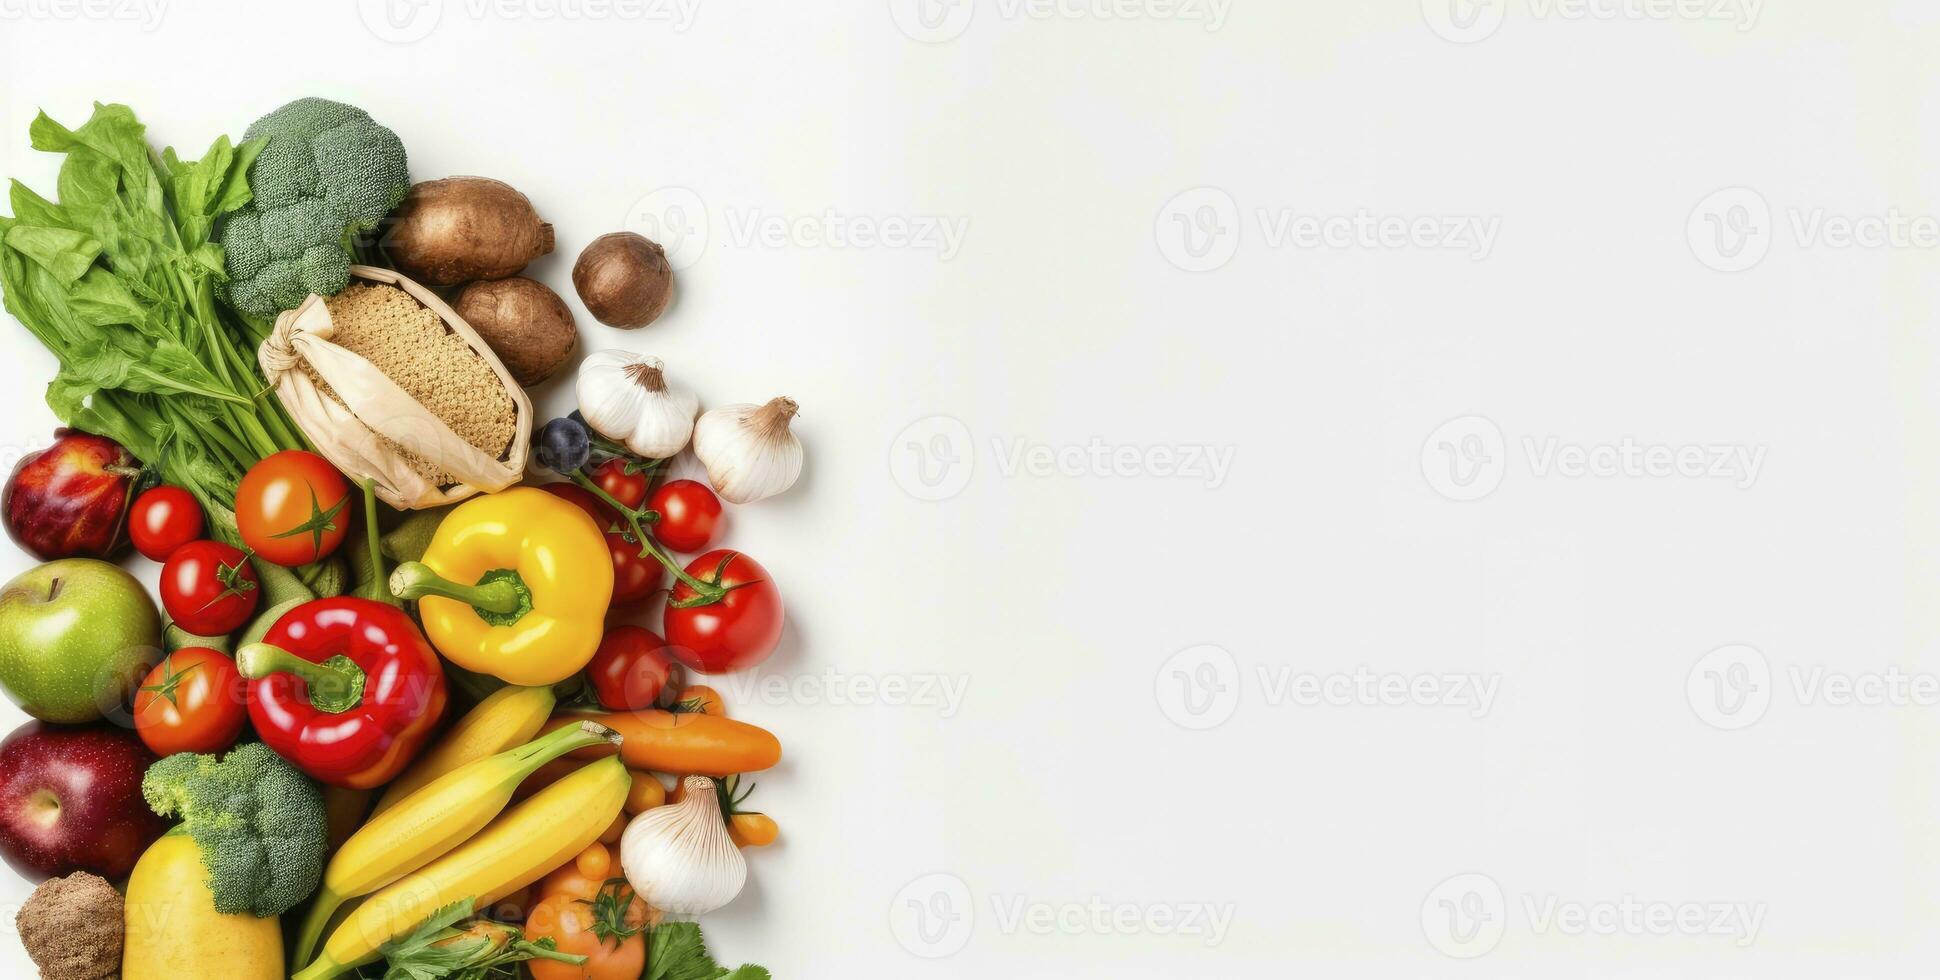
x=430, y=822
x=520, y=847
x=510, y=717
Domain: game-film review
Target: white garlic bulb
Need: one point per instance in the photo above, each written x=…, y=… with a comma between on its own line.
x=679, y=858
x=748, y=450
x=626, y=398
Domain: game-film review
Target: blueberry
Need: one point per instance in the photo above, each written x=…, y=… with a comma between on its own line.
x=564, y=446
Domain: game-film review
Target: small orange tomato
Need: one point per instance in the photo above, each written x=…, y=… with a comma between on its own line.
x=752, y=829
x=567, y=879
x=595, y=862
x=646, y=793
x=608, y=929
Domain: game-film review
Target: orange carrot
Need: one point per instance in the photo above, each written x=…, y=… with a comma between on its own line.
x=663, y=741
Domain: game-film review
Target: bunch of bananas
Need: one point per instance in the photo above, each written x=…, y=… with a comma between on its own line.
x=442, y=834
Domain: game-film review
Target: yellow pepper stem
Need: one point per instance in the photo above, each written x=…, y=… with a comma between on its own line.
x=499, y=593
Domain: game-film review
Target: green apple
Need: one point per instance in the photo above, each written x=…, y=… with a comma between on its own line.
x=76, y=637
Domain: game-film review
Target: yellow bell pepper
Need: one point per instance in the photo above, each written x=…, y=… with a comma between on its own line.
x=515, y=585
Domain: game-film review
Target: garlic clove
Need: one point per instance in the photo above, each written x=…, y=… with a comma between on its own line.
x=749, y=450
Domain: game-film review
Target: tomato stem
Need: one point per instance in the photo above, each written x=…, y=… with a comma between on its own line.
x=709, y=592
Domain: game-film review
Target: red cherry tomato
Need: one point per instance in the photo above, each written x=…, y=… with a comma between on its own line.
x=293, y=508
x=690, y=515
x=162, y=520
x=635, y=577
x=740, y=630
x=193, y=701
x=615, y=476
x=209, y=588
x=630, y=669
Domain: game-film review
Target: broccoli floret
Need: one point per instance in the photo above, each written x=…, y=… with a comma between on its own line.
x=291, y=230
x=327, y=173
x=246, y=250
x=259, y=822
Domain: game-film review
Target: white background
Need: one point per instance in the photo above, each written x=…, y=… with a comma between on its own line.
x=914, y=837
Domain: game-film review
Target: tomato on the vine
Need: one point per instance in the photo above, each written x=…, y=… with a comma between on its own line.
x=635, y=576
x=690, y=515
x=162, y=520
x=739, y=630
x=630, y=669
x=608, y=929
x=293, y=508
x=209, y=588
x=193, y=701
x=625, y=480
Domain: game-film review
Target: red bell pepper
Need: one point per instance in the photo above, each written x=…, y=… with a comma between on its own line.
x=347, y=689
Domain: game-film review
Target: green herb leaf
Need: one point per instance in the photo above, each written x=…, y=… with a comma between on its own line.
x=676, y=951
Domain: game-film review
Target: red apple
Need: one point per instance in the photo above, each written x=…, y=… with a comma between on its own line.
x=70, y=800
x=70, y=500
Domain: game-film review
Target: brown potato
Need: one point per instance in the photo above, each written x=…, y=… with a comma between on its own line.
x=624, y=280
x=460, y=229
x=526, y=324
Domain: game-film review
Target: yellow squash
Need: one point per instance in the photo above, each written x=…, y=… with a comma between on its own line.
x=525, y=844
x=174, y=930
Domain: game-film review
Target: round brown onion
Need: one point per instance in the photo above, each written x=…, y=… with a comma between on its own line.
x=624, y=280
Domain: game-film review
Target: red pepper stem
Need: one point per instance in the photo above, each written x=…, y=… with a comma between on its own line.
x=710, y=593
x=415, y=580
x=336, y=685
